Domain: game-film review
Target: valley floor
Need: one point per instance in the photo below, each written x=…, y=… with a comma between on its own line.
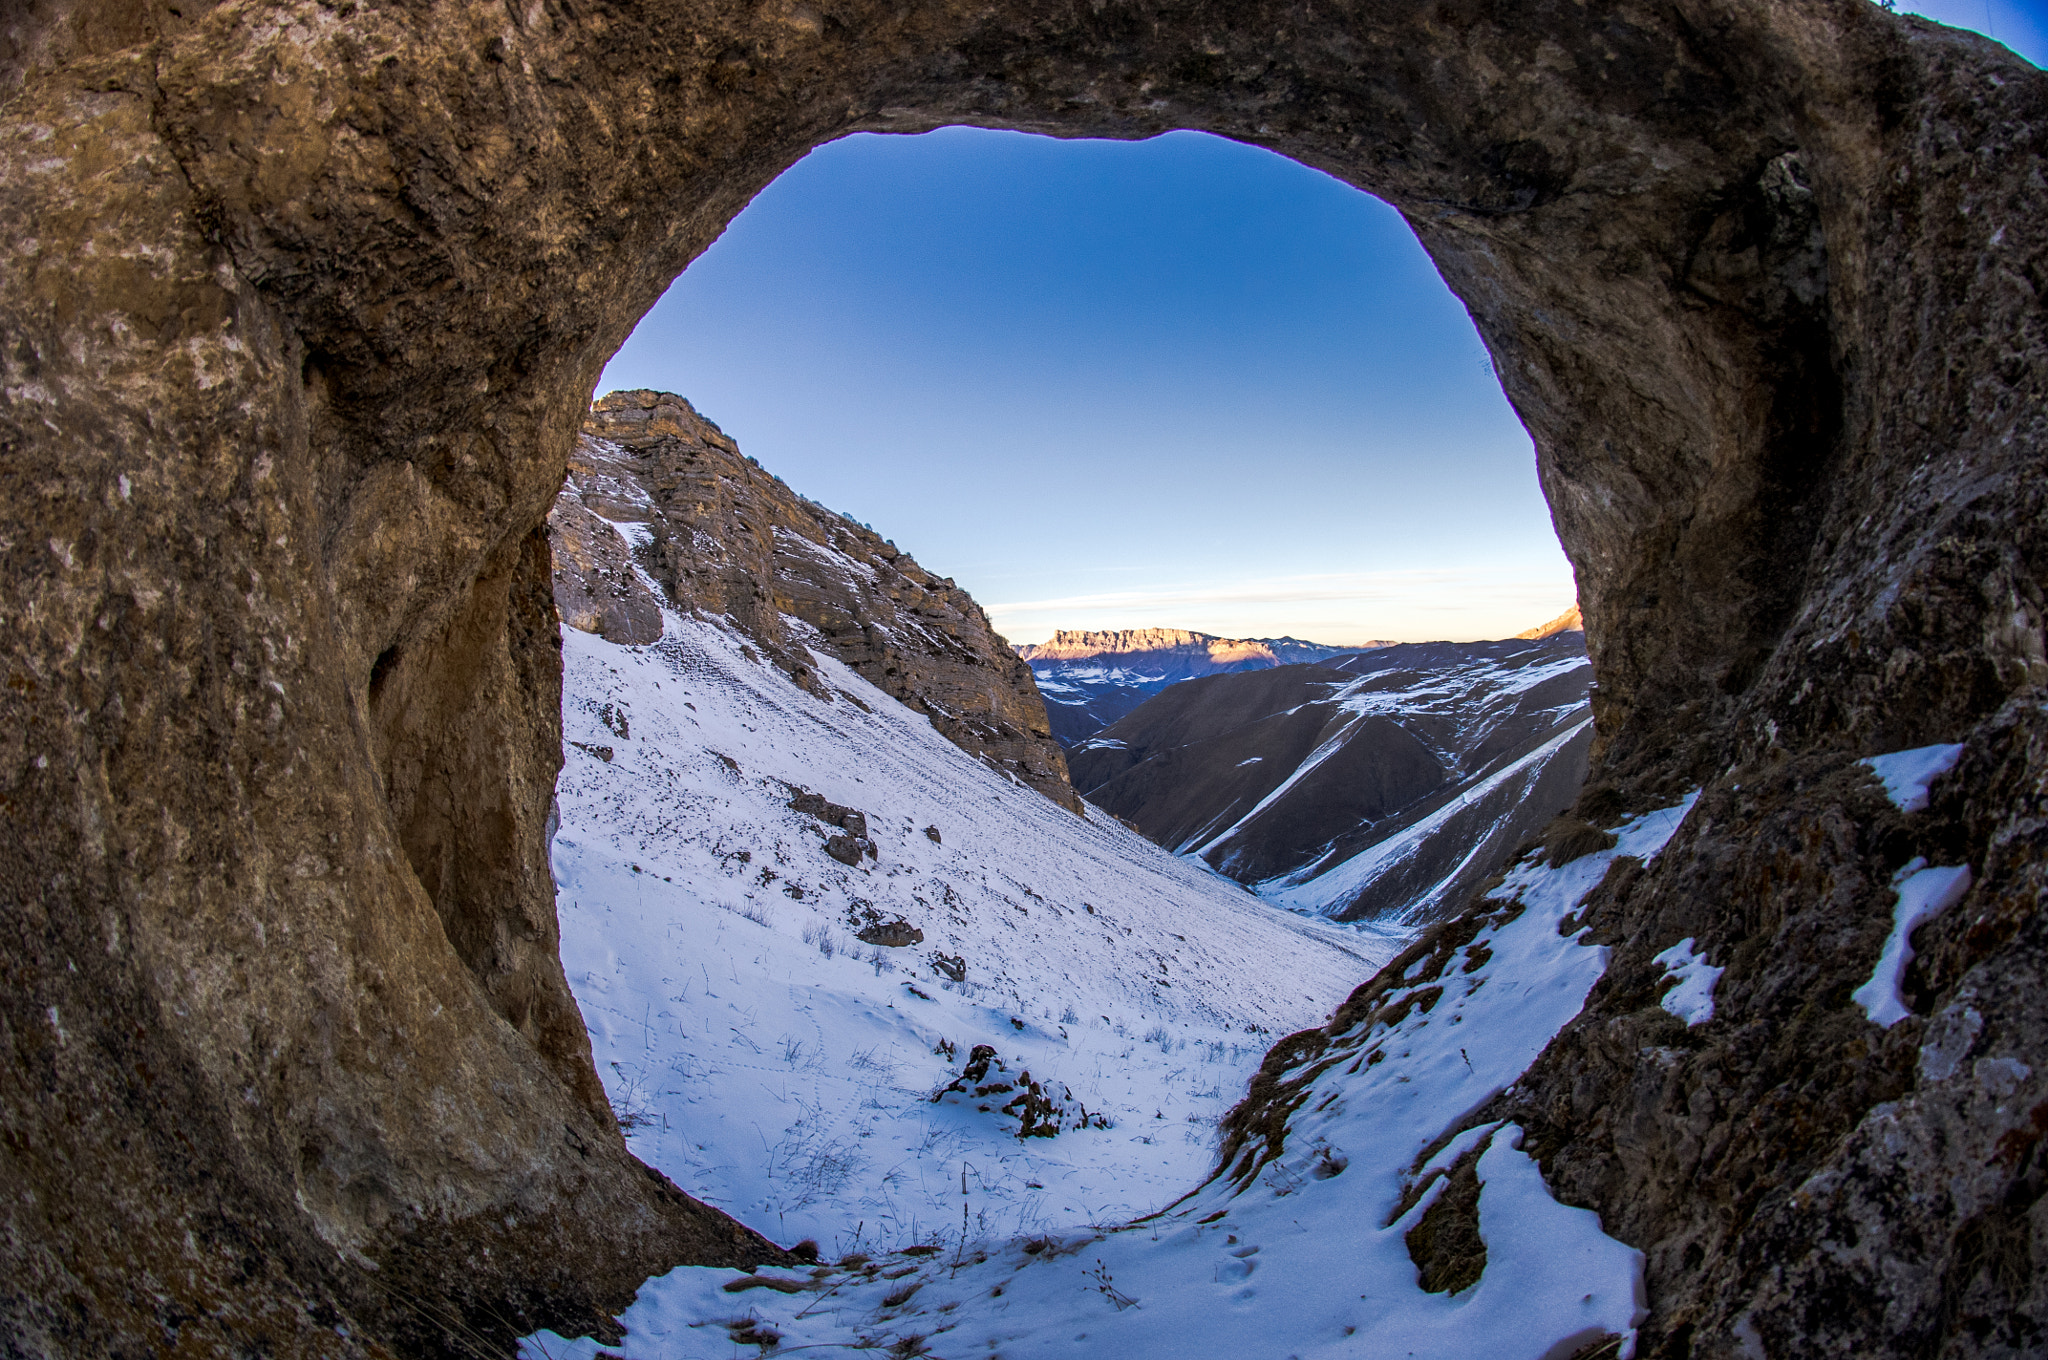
x=777, y=1067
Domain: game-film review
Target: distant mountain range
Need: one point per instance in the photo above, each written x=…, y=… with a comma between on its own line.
x=1089, y=680
x=1382, y=782
x=1571, y=621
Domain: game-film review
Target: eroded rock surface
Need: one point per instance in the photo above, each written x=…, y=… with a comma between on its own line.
x=726, y=538
x=303, y=305
x=596, y=588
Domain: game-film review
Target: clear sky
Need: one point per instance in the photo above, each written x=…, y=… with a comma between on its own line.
x=1176, y=383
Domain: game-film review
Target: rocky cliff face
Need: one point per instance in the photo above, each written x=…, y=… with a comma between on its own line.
x=723, y=537
x=1091, y=679
x=304, y=303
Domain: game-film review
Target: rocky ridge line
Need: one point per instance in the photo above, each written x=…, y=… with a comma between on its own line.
x=1080, y=644
x=1571, y=621
x=724, y=537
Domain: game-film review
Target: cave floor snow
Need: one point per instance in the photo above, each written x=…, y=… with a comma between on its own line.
x=778, y=1068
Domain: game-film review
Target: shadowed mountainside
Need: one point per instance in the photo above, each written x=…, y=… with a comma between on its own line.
x=1387, y=782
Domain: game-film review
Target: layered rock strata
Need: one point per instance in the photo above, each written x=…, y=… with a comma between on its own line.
x=1177, y=652
x=723, y=537
x=304, y=302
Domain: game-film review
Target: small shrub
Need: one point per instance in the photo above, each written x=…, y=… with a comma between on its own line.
x=1570, y=839
x=1105, y=1285
x=1445, y=1245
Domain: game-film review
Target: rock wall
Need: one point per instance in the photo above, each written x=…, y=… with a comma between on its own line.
x=727, y=538
x=303, y=304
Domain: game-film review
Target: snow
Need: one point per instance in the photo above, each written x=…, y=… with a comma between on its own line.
x=1330, y=747
x=1302, y=1256
x=1906, y=774
x=1461, y=709
x=1692, y=1000
x=1370, y=695
x=1350, y=878
x=1923, y=894
x=777, y=1067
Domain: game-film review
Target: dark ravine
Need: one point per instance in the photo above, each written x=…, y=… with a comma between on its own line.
x=726, y=538
x=304, y=304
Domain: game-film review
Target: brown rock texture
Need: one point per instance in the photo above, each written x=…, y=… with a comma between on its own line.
x=596, y=588
x=302, y=306
x=730, y=539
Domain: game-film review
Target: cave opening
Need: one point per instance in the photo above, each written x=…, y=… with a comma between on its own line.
x=295, y=387
x=1175, y=383
x=1181, y=374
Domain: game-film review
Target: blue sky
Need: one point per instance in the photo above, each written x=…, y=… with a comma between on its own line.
x=1175, y=383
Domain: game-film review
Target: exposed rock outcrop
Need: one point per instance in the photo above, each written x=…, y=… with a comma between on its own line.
x=1177, y=651
x=596, y=588
x=726, y=538
x=1571, y=621
x=304, y=302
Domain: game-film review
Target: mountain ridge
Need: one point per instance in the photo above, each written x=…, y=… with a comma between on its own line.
x=1571, y=621
x=1381, y=784
x=1071, y=644
x=1090, y=679
x=722, y=536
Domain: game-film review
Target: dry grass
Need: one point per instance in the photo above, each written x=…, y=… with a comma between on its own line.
x=1445, y=1245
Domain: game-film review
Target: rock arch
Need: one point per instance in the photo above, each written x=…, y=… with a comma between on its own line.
x=304, y=301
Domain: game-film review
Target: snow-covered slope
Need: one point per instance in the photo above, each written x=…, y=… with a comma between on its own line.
x=1385, y=784
x=778, y=1067
x=1376, y=1155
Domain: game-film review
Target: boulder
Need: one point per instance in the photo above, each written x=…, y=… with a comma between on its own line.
x=898, y=934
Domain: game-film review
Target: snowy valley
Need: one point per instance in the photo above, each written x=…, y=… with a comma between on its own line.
x=863, y=983
x=1384, y=785
x=778, y=1065
x=772, y=1064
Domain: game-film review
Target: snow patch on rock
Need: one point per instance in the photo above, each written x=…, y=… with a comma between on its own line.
x=1692, y=999
x=1923, y=894
x=1906, y=774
